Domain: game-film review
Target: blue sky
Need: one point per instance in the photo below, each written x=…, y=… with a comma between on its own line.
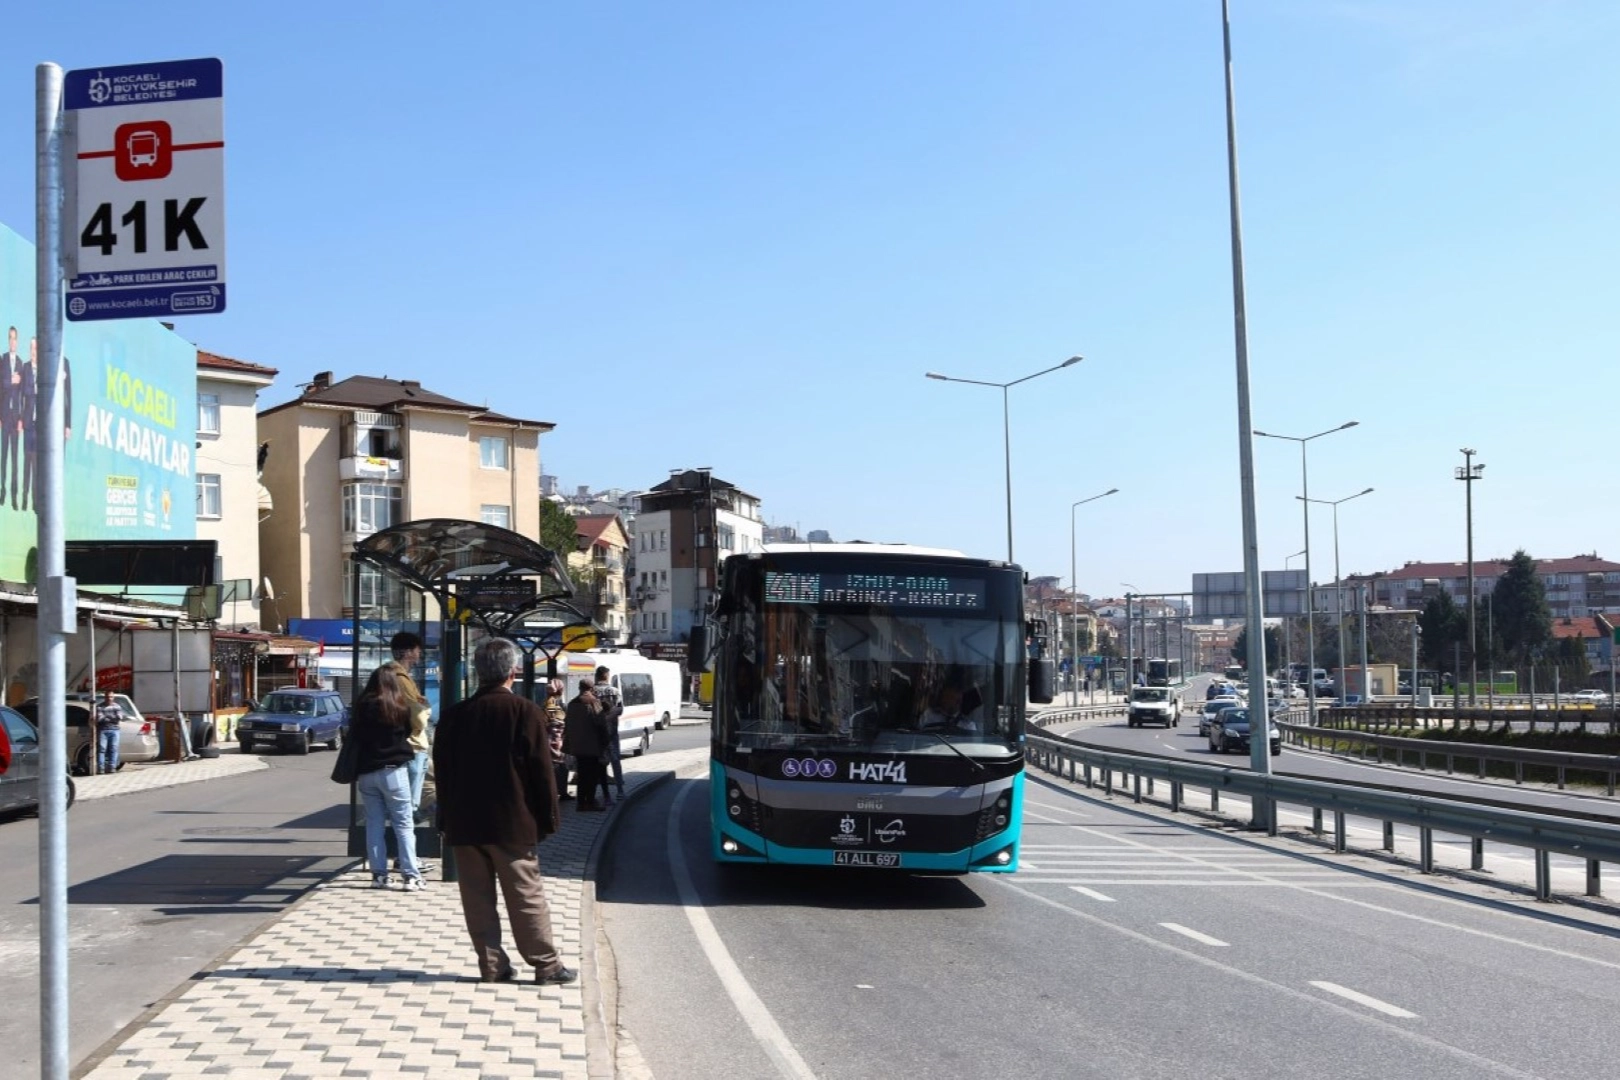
x=737, y=235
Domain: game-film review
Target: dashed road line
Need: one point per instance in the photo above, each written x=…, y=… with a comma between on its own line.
x=1364, y=999
x=1093, y=893
x=1202, y=939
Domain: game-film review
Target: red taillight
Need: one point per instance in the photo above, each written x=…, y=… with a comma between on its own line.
x=146, y=727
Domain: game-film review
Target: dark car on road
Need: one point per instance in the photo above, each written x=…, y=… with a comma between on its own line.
x=1229, y=733
x=295, y=720
x=19, y=784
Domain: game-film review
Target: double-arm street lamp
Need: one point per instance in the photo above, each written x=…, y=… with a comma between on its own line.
x=1338, y=586
x=1288, y=667
x=1074, y=592
x=1006, y=427
x=1310, y=597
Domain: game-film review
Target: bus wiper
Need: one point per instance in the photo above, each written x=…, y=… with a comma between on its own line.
x=953, y=747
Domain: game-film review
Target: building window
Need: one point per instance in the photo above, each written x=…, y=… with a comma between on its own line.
x=376, y=591
x=491, y=514
x=369, y=508
x=207, y=415
x=663, y=540
x=492, y=452
x=208, y=504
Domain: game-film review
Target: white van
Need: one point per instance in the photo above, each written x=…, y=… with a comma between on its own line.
x=651, y=690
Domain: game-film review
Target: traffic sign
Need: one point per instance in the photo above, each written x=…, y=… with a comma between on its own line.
x=145, y=228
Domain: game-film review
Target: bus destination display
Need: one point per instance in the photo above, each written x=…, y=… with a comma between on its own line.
x=894, y=590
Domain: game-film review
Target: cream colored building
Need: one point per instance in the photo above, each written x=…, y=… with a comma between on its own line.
x=598, y=566
x=350, y=458
x=230, y=500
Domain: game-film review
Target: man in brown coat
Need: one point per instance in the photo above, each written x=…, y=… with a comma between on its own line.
x=585, y=737
x=497, y=798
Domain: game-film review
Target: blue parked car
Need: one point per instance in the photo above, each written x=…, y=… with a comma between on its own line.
x=295, y=720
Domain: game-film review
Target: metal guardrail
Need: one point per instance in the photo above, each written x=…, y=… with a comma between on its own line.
x=1328, y=738
x=1443, y=715
x=1542, y=834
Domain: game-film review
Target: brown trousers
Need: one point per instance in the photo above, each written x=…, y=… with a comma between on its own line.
x=480, y=867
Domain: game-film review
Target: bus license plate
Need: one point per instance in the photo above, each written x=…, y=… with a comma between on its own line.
x=865, y=858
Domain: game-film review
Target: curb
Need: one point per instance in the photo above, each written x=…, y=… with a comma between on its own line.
x=601, y=1057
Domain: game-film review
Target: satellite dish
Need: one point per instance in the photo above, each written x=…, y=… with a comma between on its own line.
x=266, y=590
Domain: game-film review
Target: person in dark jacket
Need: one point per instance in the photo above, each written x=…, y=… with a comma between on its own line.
x=497, y=799
x=382, y=729
x=585, y=736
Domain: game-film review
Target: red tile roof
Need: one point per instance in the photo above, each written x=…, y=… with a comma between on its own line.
x=225, y=363
x=1581, y=627
x=590, y=527
x=368, y=393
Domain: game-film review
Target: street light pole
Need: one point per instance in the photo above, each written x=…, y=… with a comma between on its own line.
x=1310, y=593
x=1468, y=473
x=1074, y=592
x=1288, y=667
x=1006, y=425
x=1338, y=587
x=1130, y=641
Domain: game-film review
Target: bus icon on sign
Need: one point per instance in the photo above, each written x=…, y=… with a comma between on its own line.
x=143, y=150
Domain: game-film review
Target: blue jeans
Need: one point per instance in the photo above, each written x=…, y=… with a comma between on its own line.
x=107, y=750
x=387, y=795
x=417, y=767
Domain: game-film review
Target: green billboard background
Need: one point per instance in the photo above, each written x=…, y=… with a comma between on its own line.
x=131, y=432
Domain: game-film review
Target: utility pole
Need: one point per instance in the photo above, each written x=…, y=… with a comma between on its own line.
x=1468, y=473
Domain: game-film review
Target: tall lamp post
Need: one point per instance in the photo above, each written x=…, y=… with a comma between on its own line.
x=1310, y=597
x=1006, y=427
x=1130, y=641
x=1468, y=472
x=1288, y=667
x=1074, y=592
x=1338, y=586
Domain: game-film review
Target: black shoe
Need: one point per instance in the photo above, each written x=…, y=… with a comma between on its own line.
x=504, y=977
x=561, y=977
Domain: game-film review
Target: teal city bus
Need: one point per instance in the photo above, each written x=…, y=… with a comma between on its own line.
x=869, y=708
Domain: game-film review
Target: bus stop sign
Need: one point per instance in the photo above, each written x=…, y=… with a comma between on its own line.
x=145, y=170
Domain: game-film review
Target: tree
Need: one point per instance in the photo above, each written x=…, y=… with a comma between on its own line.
x=1523, y=624
x=1273, y=639
x=1444, y=624
x=560, y=533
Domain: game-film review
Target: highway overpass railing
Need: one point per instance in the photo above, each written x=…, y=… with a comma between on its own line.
x=1542, y=834
x=1397, y=750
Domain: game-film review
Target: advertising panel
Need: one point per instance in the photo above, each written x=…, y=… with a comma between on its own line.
x=130, y=396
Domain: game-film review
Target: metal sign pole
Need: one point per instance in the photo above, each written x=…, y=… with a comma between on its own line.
x=57, y=606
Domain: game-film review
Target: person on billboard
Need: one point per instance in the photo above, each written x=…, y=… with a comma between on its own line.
x=25, y=404
x=10, y=418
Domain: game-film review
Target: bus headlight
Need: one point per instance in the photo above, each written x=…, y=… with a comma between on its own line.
x=730, y=846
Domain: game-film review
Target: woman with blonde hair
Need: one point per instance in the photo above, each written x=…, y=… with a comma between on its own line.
x=382, y=728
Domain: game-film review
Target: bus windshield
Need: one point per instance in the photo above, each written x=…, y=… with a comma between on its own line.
x=799, y=675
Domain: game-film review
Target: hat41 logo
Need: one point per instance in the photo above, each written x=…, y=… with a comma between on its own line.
x=883, y=772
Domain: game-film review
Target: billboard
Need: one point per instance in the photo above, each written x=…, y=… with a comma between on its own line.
x=130, y=391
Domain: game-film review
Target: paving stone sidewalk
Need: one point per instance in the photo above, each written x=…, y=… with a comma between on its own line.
x=146, y=776
x=358, y=982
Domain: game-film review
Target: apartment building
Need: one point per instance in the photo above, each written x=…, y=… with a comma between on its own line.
x=1577, y=587
x=349, y=458
x=685, y=527
x=231, y=501
x=599, y=566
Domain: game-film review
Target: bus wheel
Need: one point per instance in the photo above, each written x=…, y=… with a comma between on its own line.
x=644, y=745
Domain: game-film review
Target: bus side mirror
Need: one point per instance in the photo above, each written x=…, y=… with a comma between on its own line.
x=697, y=649
x=1040, y=682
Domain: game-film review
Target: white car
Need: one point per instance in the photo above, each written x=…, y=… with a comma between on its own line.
x=1596, y=697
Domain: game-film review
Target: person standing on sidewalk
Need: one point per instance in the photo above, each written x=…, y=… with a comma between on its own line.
x=556, y=722
x=497, y=799
x=585, y=738
x=608, y=696
x=381, y=726
x=109, y=721
x=407, y=650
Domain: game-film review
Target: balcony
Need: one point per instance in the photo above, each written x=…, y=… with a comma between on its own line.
x=610, y=561
x=371, y=469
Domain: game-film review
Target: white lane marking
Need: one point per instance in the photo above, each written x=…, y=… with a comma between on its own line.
x=1208, y=865
x=772, y=1039
x=1359, y=1015
x=1363, y=999
x=1213, y=882
x=1093, y=893
x=1025, y=864
x=1202, y=939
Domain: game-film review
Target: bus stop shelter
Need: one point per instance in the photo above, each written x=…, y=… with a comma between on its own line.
x=476, y=580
